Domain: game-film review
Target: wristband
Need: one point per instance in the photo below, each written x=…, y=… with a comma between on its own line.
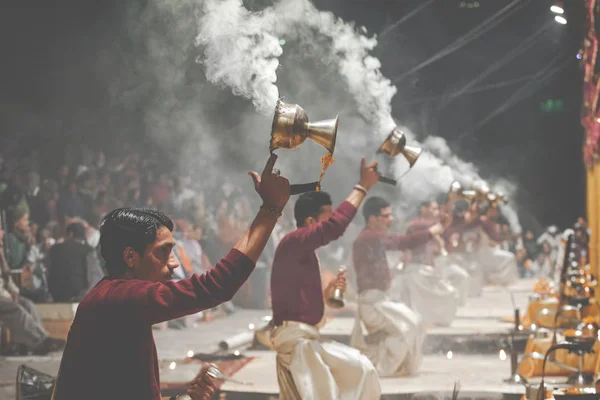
x=360, y=188
x=271, y=210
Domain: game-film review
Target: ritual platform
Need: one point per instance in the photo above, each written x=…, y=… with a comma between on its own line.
x=472, y=350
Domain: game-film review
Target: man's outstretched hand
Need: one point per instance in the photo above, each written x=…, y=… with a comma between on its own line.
x=273, y=189
x=202, y=387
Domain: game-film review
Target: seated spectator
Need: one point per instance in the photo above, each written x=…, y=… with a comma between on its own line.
x=19, y=315
x=68, y=265
x=36, y=257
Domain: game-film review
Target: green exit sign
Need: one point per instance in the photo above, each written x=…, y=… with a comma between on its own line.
x=552, y=105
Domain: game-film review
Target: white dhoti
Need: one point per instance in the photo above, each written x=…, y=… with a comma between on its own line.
x=499, y=266
x=309, y=369
x=469, y=263
x=426, y=292
x=453, y=272
x=396, y=334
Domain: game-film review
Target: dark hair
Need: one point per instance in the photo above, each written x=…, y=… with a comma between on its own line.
x=128, y=227
x=76, y=229
x=425, y=204
x=442, y=198
x=373, y=207
x=309, y=205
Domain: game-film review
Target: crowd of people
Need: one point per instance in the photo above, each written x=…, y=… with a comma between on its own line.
x=60, y=237
x=50, y=224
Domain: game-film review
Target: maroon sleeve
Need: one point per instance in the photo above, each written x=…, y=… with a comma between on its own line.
x=397, y=242
x=318, y=235
x=490, y=229
x=407, y=242
x=158, y=302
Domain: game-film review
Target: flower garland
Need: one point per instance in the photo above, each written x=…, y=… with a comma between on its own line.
x=590, y=115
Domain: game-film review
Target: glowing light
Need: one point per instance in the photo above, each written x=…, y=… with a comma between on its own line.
x=236, y=353
x=502, y=355
x=190, y=353
x=251, y=327
x=281, y=42
x=556, y=9
x=560, y=20
x=533, y=327
x=173, y=365
x=449, y=355
x=579, y=56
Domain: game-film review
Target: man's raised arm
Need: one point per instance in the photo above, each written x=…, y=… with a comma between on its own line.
x=322, y=233
x=199, y=292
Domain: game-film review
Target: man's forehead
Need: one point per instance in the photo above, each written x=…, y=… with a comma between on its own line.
x=163, y=237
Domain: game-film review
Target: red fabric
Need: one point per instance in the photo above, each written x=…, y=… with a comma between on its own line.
x=423, y=253
x=296, y=291
x=110, y=352
x=368, y=253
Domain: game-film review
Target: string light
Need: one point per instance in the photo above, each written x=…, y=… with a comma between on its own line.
x=190, y=353
x=502, y=355
x=449, y=355
x=251, y=327
x=560, y=20
x=172, y=365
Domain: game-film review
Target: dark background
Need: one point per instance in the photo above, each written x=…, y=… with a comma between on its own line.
x=50, y=70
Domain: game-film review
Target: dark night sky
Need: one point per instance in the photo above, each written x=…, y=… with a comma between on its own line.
x=48, y=56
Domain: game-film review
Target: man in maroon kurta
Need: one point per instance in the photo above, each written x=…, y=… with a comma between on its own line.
x=298, y=306
x=396, y=332
x=371, y=245
x=110, y=351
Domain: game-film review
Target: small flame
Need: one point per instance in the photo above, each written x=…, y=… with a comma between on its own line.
x=326, y=162
x=502, y=355
x=172, y=365
x=449, y=355
x=190, y=353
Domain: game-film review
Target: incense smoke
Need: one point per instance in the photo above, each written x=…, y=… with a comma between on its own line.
x=241, y=50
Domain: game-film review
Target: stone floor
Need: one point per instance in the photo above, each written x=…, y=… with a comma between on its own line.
x=480, y=374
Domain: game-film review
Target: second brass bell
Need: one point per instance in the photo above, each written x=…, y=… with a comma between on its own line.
x=395, y=144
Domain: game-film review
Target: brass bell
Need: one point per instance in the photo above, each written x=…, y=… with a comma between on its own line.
x=291, y=128
x=337, y=299
x=481, y=189
x=497, y=198
x=395, y=144
x=458, y=191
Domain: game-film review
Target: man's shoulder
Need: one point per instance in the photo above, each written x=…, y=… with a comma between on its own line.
x=291, y=238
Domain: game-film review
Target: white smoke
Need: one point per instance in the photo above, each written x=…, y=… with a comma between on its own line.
x=241, y=50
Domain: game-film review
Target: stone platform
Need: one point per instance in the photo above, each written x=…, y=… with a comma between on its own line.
x=479, y=368
x=454, y=354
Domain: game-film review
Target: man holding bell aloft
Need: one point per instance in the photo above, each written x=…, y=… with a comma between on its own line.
x=306, y=367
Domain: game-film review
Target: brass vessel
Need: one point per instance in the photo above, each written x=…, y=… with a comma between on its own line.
x=458, y=191
x=291, y=128
x=395, y=144
x=337, y=299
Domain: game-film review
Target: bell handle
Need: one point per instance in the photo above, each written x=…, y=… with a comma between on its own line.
x=389, y=181
x=303, y=188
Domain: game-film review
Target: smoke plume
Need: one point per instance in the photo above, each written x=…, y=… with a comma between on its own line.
x=241, y=49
